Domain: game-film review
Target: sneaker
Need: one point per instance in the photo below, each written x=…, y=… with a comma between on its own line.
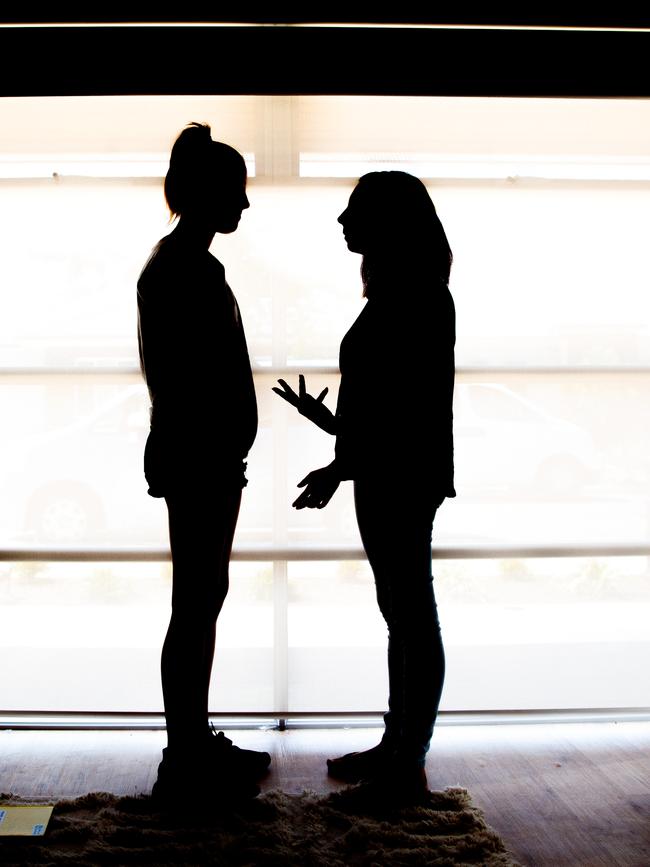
x=253, y=763
x=186, y=773
x=354, y=767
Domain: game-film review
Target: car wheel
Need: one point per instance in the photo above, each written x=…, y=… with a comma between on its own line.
x=65, y=515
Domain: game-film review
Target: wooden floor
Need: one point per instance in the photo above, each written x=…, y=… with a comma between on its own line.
x=560, y=794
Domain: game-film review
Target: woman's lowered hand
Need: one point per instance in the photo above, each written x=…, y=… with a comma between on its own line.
x=320, y=486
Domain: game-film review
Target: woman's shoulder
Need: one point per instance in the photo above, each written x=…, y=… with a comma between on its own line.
x=172, y=260
x=158, y=262
x=215, y=265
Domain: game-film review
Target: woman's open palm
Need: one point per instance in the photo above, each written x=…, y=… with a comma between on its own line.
x=311, y=407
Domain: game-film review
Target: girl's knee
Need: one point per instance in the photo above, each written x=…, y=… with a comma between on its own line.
x=197, y=613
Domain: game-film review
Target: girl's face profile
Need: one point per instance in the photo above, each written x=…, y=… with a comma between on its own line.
x=362, y=223
x=226, y=200
x=218, y=197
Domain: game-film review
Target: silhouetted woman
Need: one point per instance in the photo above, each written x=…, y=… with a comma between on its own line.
x=195, y=362
x=393, y=428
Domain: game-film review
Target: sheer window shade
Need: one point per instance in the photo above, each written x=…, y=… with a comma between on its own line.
x=549, y=279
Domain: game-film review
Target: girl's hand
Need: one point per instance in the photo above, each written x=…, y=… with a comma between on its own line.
x=320, y=488
x=312, y=408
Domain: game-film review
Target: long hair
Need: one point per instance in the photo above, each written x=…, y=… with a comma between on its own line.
x=195, y=159
x=413, y=244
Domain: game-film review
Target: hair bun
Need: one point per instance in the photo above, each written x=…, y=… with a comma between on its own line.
x=199, y=130
x=194, y=139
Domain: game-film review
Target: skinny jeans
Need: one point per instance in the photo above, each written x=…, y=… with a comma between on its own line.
x=395, y=522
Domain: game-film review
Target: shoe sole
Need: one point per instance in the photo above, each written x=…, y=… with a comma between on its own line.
x=173, y=797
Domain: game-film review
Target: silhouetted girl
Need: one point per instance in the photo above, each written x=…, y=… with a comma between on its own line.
x=195, y=361
x=393, y=428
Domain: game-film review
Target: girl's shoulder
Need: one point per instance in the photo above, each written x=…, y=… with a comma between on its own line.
x=215, y=265
x=161, y=257
x=172, y=260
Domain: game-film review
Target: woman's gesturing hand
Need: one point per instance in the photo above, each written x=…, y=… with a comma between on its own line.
x=320, y=488
x=312, y=408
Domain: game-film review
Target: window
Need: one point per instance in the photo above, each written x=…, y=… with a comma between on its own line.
x=542, y=568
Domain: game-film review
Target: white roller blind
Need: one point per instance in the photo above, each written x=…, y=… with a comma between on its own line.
x=546, y=204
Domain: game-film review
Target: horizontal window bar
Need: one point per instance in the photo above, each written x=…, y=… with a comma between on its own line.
x=71, y=370
x=301, y=553
x=324, y=369
x=487, y=22
x=340, y=169
x=554, y=369
x=479, y=717
x=319, y=177
x=475, y=369
x=43, y=720
x=92, y=166
x=478, y=167
x=108, y=720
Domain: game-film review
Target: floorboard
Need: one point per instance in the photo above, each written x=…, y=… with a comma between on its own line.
x=561, y=795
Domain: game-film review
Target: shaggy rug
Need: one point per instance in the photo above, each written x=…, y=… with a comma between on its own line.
x=273, y=830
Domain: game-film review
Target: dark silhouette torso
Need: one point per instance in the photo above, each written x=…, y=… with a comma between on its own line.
x=394, y=410
x=195, y=361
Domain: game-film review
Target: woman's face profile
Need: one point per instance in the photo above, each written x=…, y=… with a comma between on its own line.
x=363, y=227
x=225, y=202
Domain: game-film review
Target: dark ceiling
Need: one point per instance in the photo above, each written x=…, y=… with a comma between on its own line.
x=455, y=60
